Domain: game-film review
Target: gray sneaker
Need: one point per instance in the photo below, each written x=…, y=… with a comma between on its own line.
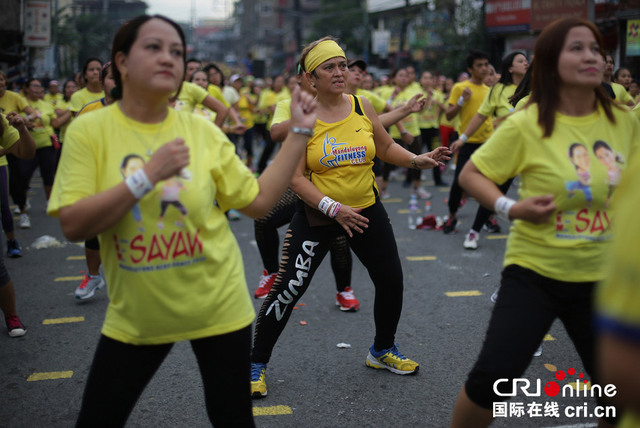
x=88, y=287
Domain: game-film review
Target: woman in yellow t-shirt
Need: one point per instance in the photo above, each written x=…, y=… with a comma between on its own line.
x=68, y=89
x=338, y=195
x=179, y=277
x=93, y=88
x=559, y=237
x=16, y=139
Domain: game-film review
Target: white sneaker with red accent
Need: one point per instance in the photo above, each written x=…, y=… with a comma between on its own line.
x=266, y=282
x=347, y=300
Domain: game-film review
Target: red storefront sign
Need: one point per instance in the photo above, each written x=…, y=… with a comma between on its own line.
x=543, y=12
x=507, y=13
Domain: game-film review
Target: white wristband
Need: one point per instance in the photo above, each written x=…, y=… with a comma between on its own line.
x=463, y=137
x=139, y=184
x=461, y=101
x=325, y=204
x=502, y=207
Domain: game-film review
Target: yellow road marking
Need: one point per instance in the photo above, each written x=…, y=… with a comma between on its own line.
x=49, y=376
x=405, y=211
x=443, y=189
x=272, y=411
x=548, y=337
x=68, y=278
x=392, y=200
x=550, y=367
x=51, y=321
x=496, y=236
x=463, y=293
x=421, y=258
x=76, y=258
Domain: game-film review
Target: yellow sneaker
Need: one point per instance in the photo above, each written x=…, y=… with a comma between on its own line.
x=392, y=360
x=258, y=380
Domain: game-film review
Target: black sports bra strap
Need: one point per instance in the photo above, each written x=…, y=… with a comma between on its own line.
x=358, y=107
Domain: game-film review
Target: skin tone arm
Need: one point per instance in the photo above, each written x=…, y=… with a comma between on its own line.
x=279, y=131
x=64, y=116
x=93, y=215
x=387, y=150
x=25, y=148
x=217, y=106
x=454, y=109
x=472, y=127
x=618, y=365
x=57, y=121
x=536, y=209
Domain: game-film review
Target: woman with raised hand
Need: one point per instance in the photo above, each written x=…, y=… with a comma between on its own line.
x=338, y=195
x=180, y=278
x=559, y=237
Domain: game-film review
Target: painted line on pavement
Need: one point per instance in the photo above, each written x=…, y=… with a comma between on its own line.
x=68, y=278
x=49, y=376
x=272, y=411
x=392, y=201
x=421, y=258
x=548, y=337
x=463, y=293
x=77, y=258
x=66, y=320
x=496, y=236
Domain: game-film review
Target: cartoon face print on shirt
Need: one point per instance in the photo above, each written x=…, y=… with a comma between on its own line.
x=581, y=160
x=612, y=162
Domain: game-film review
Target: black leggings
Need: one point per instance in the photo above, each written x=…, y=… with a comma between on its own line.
x=120, y=372
x=428, y=136
x=527, y=305
x=269, y=146
x=455, y=194
x=266, y=233
x=303, y=251
x=483, y=214
x=45, y=158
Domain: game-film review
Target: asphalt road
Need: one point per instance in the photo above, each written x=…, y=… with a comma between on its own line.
x=312, y=382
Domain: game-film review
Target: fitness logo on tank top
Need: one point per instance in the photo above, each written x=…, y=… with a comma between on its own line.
x=336, y=154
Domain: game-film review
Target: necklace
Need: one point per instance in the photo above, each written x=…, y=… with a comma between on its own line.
x=149, y=148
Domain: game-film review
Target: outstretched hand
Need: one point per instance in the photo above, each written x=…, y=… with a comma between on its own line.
x=350, y=219
x=303, y=109
x=416, y=103
x=434, y=158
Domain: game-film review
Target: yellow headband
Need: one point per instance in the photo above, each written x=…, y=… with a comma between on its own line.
x=320, y=53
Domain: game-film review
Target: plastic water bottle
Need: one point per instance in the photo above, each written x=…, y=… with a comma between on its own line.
x=413, y=211
x=427, y=208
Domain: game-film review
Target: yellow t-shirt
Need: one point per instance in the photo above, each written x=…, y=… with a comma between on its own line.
x=63, y=105
x=384, y=91
x=340, y=159
x=636, y=110
x=378, y=103
x=9, y=137
x=429, y=116
x=179, y=277
x=216, y=93
x=618, y=296
x=266, y=101
x=190, y=96
x=261, y=116
x=53, y=99
x=622, y=96
x=82, y=97
x=410, y=122
x=282, y=113
x=12, y=101
x=284, y=94
x=572, y=245
x=42, y=130
x=92, y=106
x=496, y=103
x=470, y=108
x=246, y=111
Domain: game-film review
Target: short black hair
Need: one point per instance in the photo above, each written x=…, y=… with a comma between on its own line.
x=475, y=54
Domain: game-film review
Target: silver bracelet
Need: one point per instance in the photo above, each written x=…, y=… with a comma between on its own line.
x=302, y=131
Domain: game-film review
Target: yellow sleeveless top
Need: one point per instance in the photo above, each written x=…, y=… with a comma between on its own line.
x=340, y=158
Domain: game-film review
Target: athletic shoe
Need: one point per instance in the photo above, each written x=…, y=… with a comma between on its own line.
x=494, y=296
x=24, y=222
x=266, y=282
x=423, y=194
x=385, y=194
x=347, y=300
x=392, y=360
x=491, y=226
x=27, y=207
x=15, y=327
x=449, y=226
x=258, y=380
x=233, y=215
x=471, y=240
x=13, y=249
x=538, y=351
x=88, y=287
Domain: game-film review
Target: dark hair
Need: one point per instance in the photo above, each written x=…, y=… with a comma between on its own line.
x=506, y=78
x=27, y=83
x=197, y=71
x=127, y=158
x=524, y=87
x=475, y=54
x=64, y=89
x=105, y=71
x=86, y=65
x=599, y=144
x=545, y=82
x=126, y=37
x=192, y=60
x=215, y=67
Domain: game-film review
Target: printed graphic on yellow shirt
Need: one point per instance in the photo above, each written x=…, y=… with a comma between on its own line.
x=179, y=249
x=579, y=157
x=610, y=160
x=334, y=155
